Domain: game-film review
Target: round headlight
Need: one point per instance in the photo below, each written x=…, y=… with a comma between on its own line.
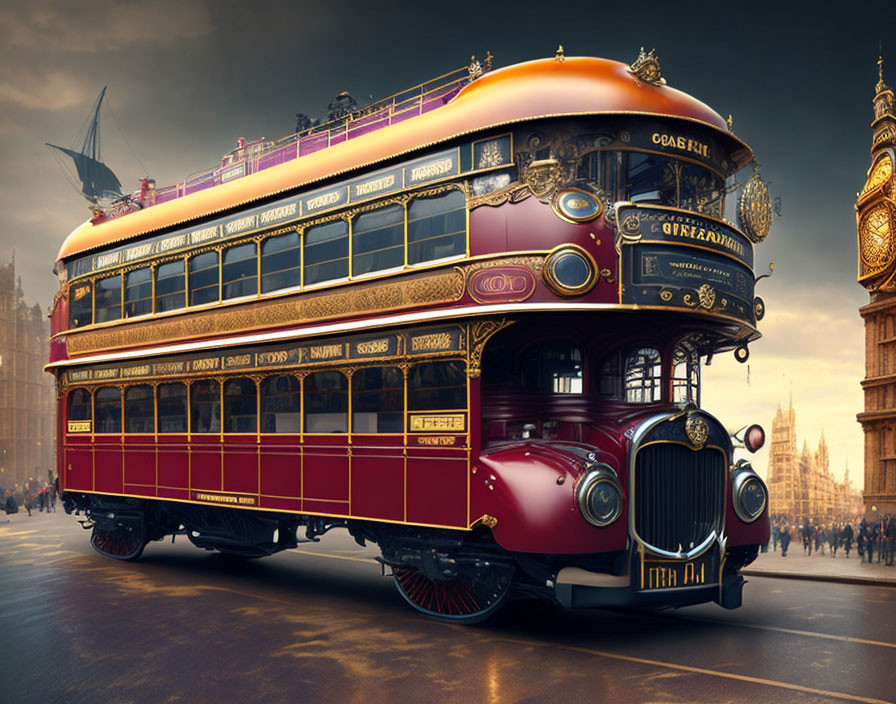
x=750, y=496
x=600, y=498
x=569, y=271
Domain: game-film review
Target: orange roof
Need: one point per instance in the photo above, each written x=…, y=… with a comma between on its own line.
x=535, y=89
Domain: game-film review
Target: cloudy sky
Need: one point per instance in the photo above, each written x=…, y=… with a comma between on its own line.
x=186, y=78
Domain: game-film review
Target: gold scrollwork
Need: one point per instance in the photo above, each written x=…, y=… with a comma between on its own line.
x=707, y=296
x=697, y=430
x=480, y=332
x=666, y=295
x=647, y=68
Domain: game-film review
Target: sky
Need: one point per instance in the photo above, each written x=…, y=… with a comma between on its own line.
x=186, y=78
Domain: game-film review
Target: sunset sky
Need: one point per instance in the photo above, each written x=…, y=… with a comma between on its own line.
x=186, y=79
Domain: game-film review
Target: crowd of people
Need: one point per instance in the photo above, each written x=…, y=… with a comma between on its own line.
x=871, y=538
x=33, y=496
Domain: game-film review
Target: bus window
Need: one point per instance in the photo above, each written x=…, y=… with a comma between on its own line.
x=80, y=305
x=437, y=386
x=437, y=227
x=610, y=381
x=239, y=272
x=326, y=252
x=552, y=367
x=171, y=291
x=107, y=403
x=204, y=278
x=139, y=411
x=205, y=407
x=172, y=401
x=137, y=292
x=377, y=400
x=280, y=404
x=685, y=375
x=599, y=169
x=651, y=179
x=326, y=403
x=240, y=406
x=281, y=262
x=79, y=407
x=643, y=376
x=108, y=299
x=378, y=240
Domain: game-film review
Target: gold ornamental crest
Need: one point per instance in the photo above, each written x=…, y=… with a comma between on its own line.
x=707, y=296
x=754, y=209
x=697, y=431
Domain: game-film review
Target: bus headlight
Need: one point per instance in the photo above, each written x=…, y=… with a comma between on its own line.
x=750, y=495
x=600, y=497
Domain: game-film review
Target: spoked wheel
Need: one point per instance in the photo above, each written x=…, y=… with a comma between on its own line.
x=456, y=601
x=123, y=543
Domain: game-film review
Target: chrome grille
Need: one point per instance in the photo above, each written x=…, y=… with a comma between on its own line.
x=679, y=495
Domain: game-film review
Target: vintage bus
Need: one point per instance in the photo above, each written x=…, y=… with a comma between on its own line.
x=467, y=325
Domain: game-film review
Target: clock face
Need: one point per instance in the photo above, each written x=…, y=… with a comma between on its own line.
x=881, y=174
x=754, y=212
x=876, y=236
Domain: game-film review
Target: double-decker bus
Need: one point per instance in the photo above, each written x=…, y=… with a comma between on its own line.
x=467, y=325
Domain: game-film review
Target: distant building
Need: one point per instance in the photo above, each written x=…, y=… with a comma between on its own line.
x=800, y=483
x=27, y=395
x=876, y=230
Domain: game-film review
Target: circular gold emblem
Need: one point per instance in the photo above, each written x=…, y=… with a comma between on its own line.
x=754, y=209
x=697, y=430
x=876, y=236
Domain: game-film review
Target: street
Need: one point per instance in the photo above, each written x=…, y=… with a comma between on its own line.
x=321, y=624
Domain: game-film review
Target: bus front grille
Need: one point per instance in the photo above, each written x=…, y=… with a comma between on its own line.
x=678, y=495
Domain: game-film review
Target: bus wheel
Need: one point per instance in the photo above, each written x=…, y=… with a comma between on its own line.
x=454, y=601
x=123, y=543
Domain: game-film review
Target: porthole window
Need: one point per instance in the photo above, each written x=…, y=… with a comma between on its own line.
x=570, y=271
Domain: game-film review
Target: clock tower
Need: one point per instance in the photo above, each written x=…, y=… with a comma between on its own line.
x=876, y=230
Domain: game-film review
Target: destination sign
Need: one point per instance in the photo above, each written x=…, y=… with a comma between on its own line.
x=658, y=225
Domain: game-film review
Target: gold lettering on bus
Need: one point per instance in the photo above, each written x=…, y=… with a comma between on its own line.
x=685, y=144
x=169, y=368
x=240, y=224
x=378, y=184
x=702, y=234
x=373, y=347
x=323, y=200
x=437, y=440
x=105, y=373
x=138, y=252
x=238, y=360
x=428, y=171
x=82, y=375
x=204, y=365
x=142, y=370
x=224, y=499
x=267, y=358
x=324, y=351
x=434, y=341
x=274, y=214
x=79, y=426
x=177, y=242
x=104, y=260
x=203, y=235
x=80, y=292
x=441, y=422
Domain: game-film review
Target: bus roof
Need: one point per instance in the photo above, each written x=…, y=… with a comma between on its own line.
x=535, y=89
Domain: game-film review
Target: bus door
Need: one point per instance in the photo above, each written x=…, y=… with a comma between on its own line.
x=325, y=448
x=108, y=468
x=77, y=474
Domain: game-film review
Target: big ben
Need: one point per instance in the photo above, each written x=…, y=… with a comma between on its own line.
x=876, y=232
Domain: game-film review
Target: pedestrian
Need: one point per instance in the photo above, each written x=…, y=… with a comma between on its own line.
x=806, y=535
x=889, y=538
x=867, y=541
x=819, y=540
x=10, y=504
x=846, y=535
x=775, y=534
x=785, y=540
x=877, y=538
x=832, y=536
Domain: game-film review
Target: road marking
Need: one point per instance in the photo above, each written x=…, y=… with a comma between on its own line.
x=335, y=557
x=698, y=670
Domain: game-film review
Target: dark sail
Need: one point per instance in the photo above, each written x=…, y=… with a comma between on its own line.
x=97, y=179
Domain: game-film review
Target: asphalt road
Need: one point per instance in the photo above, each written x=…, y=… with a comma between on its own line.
x=321, y=624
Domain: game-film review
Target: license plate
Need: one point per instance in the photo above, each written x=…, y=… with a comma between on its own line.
x=675, y=574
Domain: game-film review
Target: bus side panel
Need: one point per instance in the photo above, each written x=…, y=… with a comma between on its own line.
x=139, y=463
x=378, y=477
x=325, y=469
x=205, y=462
x=174, y=466
x=281, y=468
x=78, y=463
x=437, y=484
x=108, y=464
x=241, y=464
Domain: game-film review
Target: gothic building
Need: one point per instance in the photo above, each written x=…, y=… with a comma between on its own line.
x=800, y=482
x=27, y=396
x=876, y=230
